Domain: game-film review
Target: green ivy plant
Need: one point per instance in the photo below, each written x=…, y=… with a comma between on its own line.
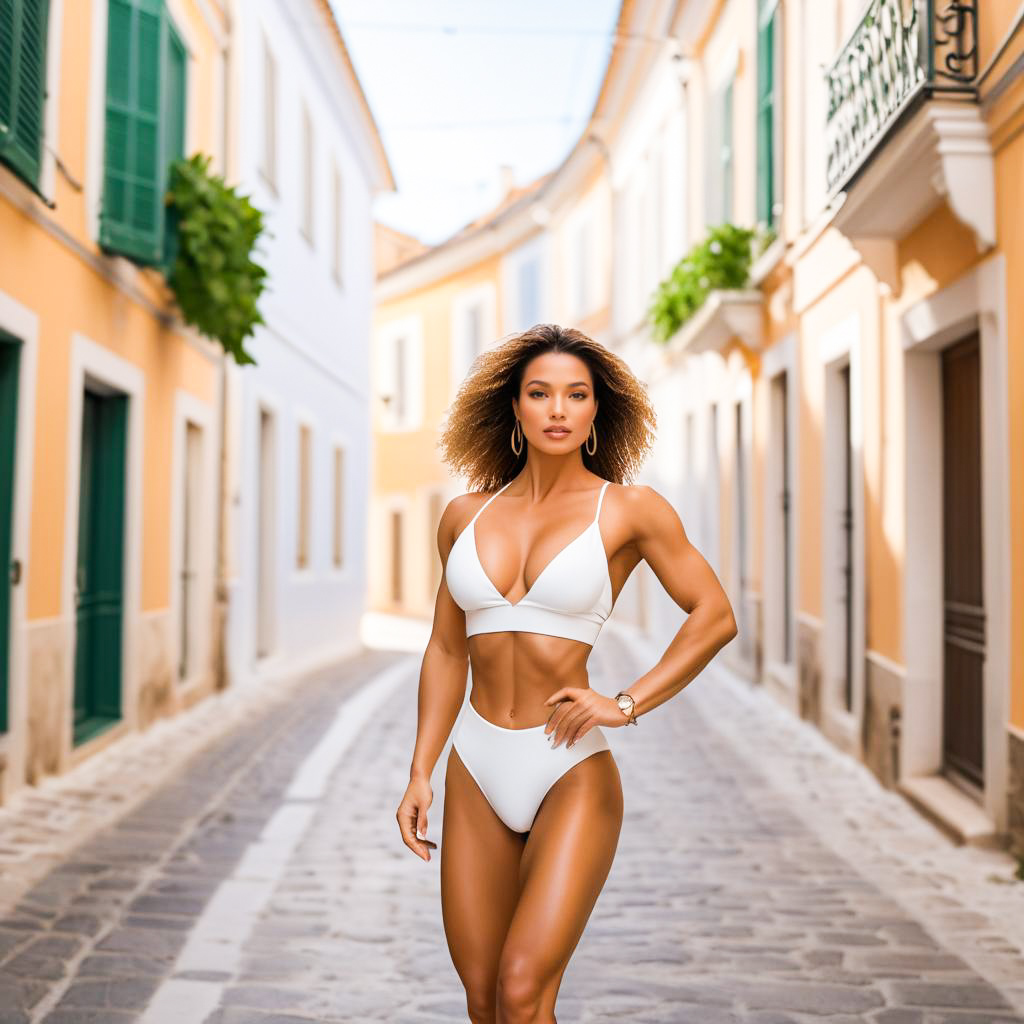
x=213, y=231
x=721, y=260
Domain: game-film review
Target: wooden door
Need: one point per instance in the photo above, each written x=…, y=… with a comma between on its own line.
x=10, y=353
x=846, y=524
x=963, y=580
x=99, y=575
x=743, y=625
x=266, y=537
x=191, y=524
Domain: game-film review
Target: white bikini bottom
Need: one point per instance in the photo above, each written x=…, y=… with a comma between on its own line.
x=514, y=768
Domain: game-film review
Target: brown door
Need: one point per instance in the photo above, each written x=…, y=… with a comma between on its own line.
x=964, y=611
x=846, y=523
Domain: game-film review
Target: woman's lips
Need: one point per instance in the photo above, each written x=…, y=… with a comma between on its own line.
x=558, y=432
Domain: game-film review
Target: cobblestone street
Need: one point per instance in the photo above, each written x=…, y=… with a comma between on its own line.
x=760, y=877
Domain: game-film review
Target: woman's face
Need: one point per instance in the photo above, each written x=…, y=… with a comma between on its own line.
x=556, y=403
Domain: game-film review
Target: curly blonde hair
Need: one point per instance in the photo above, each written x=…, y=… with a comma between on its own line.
x=475, y=442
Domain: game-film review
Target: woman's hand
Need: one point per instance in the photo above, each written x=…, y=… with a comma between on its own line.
x=412, y=817
x=578, y=710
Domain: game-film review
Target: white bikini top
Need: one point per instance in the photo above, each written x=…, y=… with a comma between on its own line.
x=570, y=598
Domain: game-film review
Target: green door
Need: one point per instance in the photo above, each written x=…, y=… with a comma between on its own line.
x=10, y=353
x=98, y=581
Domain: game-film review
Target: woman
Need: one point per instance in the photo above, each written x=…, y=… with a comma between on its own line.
x=548, y=425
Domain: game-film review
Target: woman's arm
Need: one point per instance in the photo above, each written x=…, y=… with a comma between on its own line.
x=442, y=683
x=442, y=689
x=692, y=584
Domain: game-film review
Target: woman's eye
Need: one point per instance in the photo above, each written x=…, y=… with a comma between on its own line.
x=535, y=393
x=579, y=394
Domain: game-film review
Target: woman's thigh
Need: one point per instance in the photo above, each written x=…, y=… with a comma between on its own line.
x=568, y=855
x=480, y=862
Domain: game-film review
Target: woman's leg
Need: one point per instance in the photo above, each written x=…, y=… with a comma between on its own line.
x=566, y=861
x=480, y=860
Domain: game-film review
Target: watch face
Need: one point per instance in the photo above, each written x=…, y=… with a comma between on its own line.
x=625, y=703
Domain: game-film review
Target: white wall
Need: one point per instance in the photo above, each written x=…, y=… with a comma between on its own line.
x=313, y=354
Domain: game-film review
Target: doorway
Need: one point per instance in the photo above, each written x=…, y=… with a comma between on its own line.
x=10, y=362
x=99, y=575
x=963, y=625
x=191, y=523
x=266, y=532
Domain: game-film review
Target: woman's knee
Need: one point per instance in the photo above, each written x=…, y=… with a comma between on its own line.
x=481, y=999
x=521, y=989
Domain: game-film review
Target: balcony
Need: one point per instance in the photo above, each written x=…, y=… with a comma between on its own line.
x=904, y=129
x=902, y=53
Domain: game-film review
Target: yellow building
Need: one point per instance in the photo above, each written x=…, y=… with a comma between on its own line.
x=859, y=406
x=108, y=425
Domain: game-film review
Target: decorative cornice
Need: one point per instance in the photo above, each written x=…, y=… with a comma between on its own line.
x=943, y=152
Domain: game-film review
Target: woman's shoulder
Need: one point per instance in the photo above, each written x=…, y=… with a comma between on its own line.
x=462, y=508
x=634, y=496
x=641, y=505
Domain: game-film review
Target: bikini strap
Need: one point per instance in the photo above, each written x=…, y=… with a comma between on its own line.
x=600, y=499
x=487, y=502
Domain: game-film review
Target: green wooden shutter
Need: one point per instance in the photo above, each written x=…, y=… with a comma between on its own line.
x=176, y=59
x=766, y=115
x=23, y=25
x=145, y=126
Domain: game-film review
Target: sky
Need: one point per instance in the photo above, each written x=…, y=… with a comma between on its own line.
x=460, y=87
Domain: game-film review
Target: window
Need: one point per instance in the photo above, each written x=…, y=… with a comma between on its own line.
x=529, y=292
x=145, y=128
x=436, y=510
x=305, y=470
x=474, y=331
x=336, y=253
x=657, y=213
x=399, y=393
x=338, y=532
x=472, y=326
x=399, y=375
x=719, y=185
x=308, y=177
x=269, y=167
x=767, y=89
x=23, y=27
x=396, y=556
x=582, y=269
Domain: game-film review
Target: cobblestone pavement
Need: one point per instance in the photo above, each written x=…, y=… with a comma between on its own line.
x=760, y=877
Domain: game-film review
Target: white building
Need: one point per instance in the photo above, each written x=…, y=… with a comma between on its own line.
x=310, y=156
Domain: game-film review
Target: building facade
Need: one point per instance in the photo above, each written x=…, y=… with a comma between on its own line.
x=170, y=523
x=108, y=422
x=310, y=156
x=842, y=433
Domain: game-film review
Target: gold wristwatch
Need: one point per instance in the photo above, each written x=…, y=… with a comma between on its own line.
x=627, y=705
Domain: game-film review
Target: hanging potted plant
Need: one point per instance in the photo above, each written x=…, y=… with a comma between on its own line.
x=212, y=234
x=721, y=261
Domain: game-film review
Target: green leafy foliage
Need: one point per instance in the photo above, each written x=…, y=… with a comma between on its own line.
x=721, y=260
x=212, y=274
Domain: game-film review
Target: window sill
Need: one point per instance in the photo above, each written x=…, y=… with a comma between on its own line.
x=726, y=314
x=767, y=261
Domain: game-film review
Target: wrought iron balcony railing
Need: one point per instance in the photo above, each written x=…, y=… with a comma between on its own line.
x=901, y=52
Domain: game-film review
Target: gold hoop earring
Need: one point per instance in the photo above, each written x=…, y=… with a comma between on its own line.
x=592, y=434
x=517, y=436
